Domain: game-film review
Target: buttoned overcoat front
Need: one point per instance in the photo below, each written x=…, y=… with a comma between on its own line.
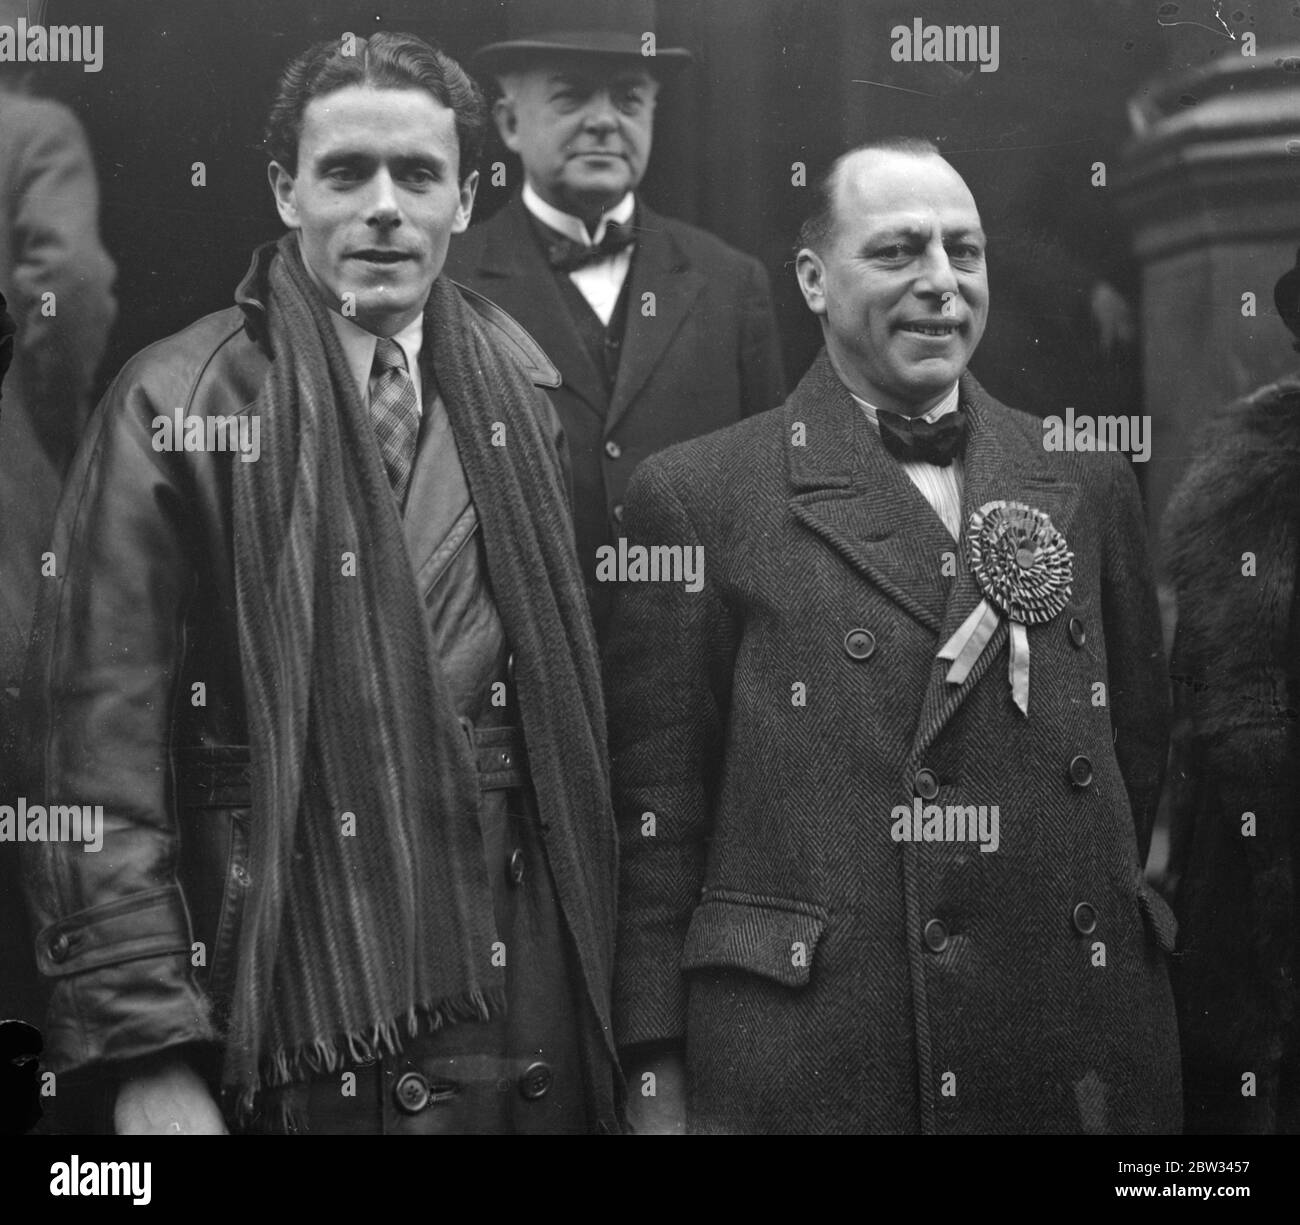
x=824, y=976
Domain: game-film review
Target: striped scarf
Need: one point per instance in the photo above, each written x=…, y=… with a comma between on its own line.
x=369, y=905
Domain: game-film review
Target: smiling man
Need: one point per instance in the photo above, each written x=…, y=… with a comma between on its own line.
x=660, y=331
x=329, y=699
x=912, y=616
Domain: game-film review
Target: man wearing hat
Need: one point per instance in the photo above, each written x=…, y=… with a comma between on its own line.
x=661, y=332
x=1232, y=532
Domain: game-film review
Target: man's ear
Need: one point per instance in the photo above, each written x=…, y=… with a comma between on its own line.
x=282, y=189
x=465, y=209
x=810, y=272
x=507, y=121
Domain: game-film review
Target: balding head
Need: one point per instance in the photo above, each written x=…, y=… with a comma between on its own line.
x=895, y=271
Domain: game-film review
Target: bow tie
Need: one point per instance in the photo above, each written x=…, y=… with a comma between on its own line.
x=913, y=440
x=565, y=255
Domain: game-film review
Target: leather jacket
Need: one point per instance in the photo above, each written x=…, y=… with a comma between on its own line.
x=133, y=694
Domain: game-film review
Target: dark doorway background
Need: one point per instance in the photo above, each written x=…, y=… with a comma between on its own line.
x=774, y=82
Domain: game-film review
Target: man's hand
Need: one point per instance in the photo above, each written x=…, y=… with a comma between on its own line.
x=169, y=1099
x=657, y=1107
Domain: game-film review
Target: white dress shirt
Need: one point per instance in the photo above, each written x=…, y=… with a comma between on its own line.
x=359, y=349
x=941, y=487
x=601, y=282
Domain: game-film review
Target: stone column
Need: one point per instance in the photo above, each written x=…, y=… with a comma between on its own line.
x=1210, y=184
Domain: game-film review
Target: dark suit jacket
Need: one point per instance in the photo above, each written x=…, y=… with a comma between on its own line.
x=701, y=354
x=824, y=976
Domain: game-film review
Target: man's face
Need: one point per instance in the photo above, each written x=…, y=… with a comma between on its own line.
x=376, y=199
x=901, y=286
x=582, y=126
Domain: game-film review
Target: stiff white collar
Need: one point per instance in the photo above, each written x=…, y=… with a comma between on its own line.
x=945, y=406
x=572, y=227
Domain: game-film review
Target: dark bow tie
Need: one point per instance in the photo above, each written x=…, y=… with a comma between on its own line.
x=565, y=255
x=911, y=440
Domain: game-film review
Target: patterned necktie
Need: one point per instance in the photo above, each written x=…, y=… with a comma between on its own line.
x=395, y=413
x=912, y=440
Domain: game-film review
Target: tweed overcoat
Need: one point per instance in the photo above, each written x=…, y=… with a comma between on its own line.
x=825, y=977
x=699, y=352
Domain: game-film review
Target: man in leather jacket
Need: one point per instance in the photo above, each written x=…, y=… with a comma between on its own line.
x=356, y=861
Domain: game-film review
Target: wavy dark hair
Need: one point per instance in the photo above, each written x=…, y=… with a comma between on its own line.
x=383, y=61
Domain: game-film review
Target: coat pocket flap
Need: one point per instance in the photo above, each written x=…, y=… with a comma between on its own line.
x=153, y=923
x=1160, y=918
x=773, y=938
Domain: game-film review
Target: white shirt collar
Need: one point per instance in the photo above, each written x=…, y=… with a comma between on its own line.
x=945, y=406
x=359, y=349
x=572, y=227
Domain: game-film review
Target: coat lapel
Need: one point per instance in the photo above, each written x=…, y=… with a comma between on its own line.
x=1000, y=464
x=849, y=491
x=660, y=267
x=517, y=277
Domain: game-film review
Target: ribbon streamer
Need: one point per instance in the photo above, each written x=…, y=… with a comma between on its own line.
x=968, y=643
x=1018, y=667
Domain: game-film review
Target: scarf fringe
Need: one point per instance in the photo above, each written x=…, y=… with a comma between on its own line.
x=270, y=1102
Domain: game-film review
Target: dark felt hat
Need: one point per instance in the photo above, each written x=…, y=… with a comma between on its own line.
x=578, y=27
x=1286, y=297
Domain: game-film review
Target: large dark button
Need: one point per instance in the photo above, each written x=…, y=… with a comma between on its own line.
x=1078, y=635
x=515, y=869
x=1080, y=771
x=859, y=644
x=926, y=784
x=1085, y=919
x=536, y=1081
x=59, y=947
x=411, y=1093
x=936, y=936
x=612, y=449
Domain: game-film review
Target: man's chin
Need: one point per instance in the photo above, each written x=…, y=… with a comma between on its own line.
x=596, y=190
x=377, y=305
x=935, y=375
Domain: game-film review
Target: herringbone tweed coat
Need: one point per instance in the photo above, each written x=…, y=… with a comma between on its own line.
x=826, y=978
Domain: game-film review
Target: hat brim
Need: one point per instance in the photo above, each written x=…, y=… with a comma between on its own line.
x=594, y=43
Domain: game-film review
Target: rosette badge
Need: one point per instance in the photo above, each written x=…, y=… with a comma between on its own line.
x=1024, y=568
